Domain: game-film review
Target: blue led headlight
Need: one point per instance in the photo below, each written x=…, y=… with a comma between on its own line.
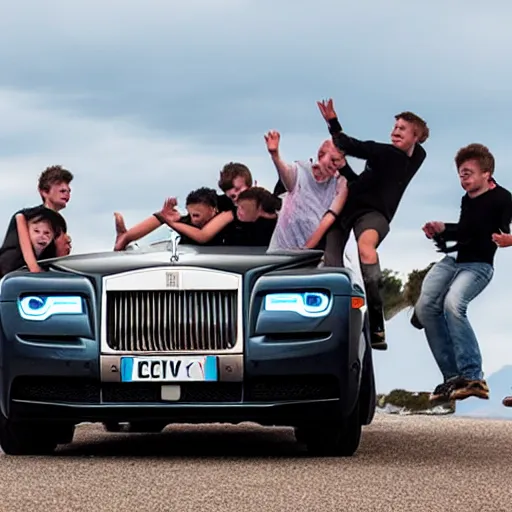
x=308, y=304
x=37, y=307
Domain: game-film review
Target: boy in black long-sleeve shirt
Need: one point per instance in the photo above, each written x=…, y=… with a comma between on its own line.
x=452, y=283
x=374, y=197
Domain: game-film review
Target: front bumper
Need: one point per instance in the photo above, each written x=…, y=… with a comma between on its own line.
x=281, y=383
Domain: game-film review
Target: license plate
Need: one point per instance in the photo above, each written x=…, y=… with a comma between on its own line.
x=169, y=369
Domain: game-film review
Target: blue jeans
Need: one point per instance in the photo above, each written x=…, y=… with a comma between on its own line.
x=446, y=292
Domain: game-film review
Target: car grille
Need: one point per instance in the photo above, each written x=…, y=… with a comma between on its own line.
x=189, y=320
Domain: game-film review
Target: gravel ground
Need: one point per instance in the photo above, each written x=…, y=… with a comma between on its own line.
x=404, y=464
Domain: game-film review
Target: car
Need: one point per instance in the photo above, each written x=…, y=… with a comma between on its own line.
x=171, y=333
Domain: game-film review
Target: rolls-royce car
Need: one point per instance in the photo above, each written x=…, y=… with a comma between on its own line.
x=172, y=333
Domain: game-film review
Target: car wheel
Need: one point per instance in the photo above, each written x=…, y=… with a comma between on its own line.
x=23, y=438
x=340, y=438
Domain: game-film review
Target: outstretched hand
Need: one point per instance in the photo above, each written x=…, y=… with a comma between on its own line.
x=169, y=212
x=327, y=109
x=272, y=139
x=433, y=228
x=502, y=239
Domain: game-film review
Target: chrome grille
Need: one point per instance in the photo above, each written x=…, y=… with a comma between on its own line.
x=171, y=320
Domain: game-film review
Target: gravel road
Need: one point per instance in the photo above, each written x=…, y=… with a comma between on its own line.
x=404, y=464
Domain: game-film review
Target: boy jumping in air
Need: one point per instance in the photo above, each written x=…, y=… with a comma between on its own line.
x=374, y=197
x=452, y=283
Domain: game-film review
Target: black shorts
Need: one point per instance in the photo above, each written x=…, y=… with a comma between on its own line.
x=371, y=220
x=335, y=240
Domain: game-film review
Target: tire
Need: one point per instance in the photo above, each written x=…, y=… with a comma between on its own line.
x=340, y=438
x=24, y=438
x=368, y=393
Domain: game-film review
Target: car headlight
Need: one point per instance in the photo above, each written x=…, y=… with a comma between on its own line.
x=308, y=304
x=37, y=307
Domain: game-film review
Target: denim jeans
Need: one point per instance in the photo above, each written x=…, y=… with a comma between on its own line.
x=446, y=292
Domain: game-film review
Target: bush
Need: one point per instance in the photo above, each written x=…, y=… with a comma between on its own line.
x=411, y=401
x=396, y=295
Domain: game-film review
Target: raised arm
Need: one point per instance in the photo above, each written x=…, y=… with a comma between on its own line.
x=287, y=172
x=349, y=145
x=207, y=232
x=25, y=244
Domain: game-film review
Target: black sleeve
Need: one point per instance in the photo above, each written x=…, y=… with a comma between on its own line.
x=450, y=231
x=354, y=147
x=348, y=173
x=506, y=213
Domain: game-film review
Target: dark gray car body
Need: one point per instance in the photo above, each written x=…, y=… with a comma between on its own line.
x=283, y=369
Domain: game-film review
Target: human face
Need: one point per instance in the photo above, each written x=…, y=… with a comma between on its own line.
x=403, y=135
x=247, y=210
x=472, y=178
x=41, y=234
x=63, y=244
x=330, y=159
x=239, y=185
x=200, y=213
x=58, y=196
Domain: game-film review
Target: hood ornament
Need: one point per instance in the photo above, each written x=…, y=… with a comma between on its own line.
x=173, y=247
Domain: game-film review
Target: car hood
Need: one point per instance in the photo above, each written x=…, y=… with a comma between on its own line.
x=230, y=259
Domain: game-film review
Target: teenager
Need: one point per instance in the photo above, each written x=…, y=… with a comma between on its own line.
x=254, y=225
x=234, y=179
x=31, y=240
x=55, y=192
x=374, y=197
x=312, y=188
x=201, y=205
x=250, y=225
x=453, y=282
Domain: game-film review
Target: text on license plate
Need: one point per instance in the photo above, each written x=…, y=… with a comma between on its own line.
x=169, y=369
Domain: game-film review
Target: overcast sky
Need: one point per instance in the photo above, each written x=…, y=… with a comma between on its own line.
x=148, y=99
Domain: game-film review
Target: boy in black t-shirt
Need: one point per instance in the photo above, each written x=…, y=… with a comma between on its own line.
x=30, y=239
x=201, y=206
x=253, y=226
x=452, y=283
x=228, y=228
x=234, y=179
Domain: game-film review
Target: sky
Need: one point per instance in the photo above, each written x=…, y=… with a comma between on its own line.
x=145, y=100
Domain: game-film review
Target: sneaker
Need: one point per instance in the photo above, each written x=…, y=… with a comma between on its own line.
x=507, y=401
x=476, y=388
x=442, y=392
x=378, y=340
